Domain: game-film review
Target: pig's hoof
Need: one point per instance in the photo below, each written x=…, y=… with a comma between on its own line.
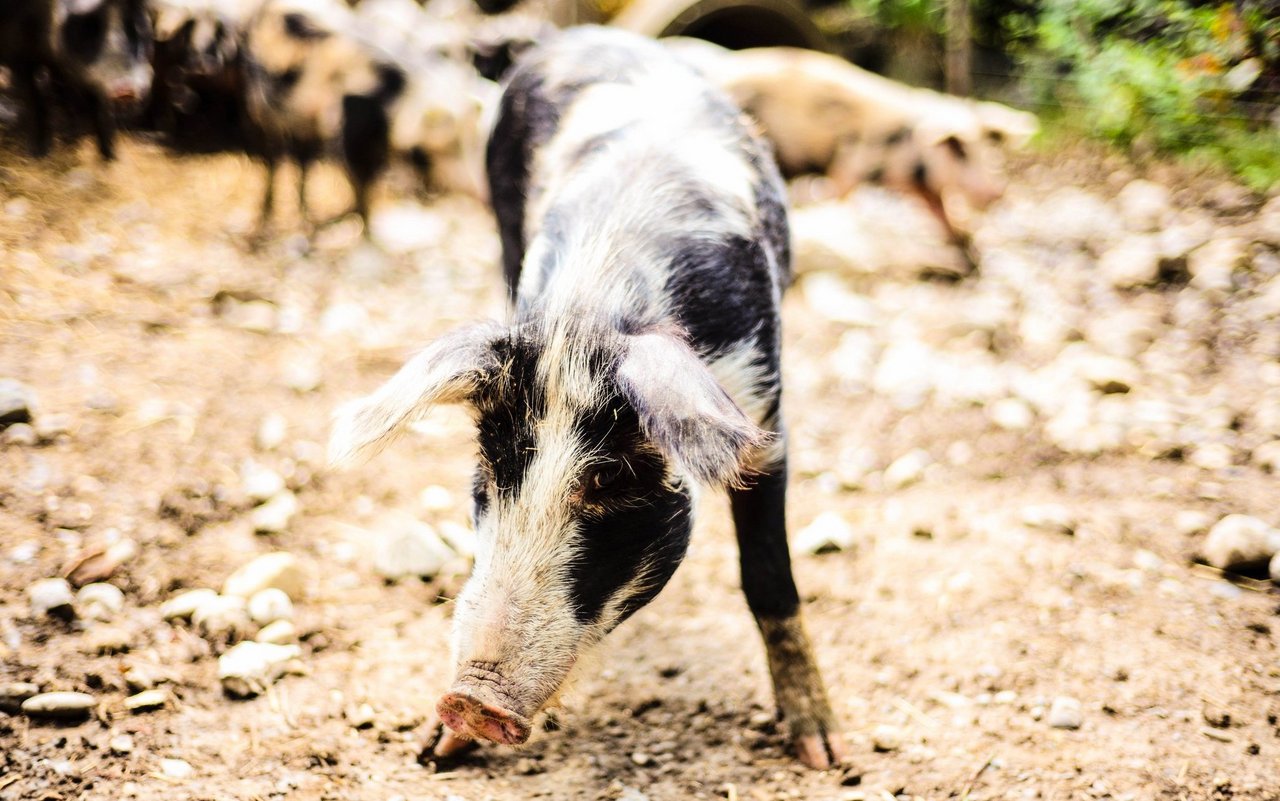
x=821, y=750
x=471, y=717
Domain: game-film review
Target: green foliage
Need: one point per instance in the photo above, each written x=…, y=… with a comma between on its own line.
x=1166, y=75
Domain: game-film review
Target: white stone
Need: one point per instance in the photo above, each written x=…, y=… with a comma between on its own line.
x=222, y=617
x=121, y=744
x=100, y=601
x=435, y=498
x=1273, y=568
x=828, y=532
x=406, y=547
x=907, y=469
x=274, y=516
x=303, y=374
x=146, y=701
x=1052, y=517
x=1213, y=265
x=177, y=769
x=61, y=705
x=279, y=569
x=51, y=596
x=272, y=431
x=281, y=632
x=183, y=605
x=462, y=539
x=1011, y=414
x=1066, y=713
x=269, y=605
x=886, y=738
x=1143, y=204
x=260, y=482
x=1212, y=456
x=1267, y=456
x=1133, y=262
x=1238, y=542
x=250, y=668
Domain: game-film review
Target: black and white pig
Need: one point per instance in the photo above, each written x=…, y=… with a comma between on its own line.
x=98, y=50
x=646, y=248
x=198, y=88
x=318, y=85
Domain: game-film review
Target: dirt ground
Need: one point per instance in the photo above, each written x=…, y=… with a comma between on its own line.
x=947, y=627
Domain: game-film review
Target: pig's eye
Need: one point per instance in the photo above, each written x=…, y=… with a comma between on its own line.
x=603, y=478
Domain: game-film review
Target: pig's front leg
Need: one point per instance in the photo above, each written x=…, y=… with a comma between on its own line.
x=759, y=513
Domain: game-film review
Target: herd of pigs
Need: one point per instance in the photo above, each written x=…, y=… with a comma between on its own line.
x=645, y=246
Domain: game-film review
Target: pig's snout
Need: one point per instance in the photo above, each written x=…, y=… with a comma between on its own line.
x=462, y=710
x=483, y=704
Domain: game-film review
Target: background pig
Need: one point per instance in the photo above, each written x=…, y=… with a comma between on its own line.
x=645, y=244
x=99, y=50
x=316, y=85
x=197, y=89
x=826, y=116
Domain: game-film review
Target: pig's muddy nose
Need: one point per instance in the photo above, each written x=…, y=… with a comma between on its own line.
x=468, y=715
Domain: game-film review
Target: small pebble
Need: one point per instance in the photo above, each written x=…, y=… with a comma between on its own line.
x=279, y=569
x=1052, y=517
x=281, y=632
x=184, y=605
x=1065, y=713
x=177, y=768
x=250, y=668
x=17, y=402
x=21, y=435
x=1240, y=543
x=14, y=693
x=100, y=601
x=222, y=618
x=52, y=597
x=146, y=701
x=436, y=498
x=272, y=432
x=360, y=716
x=269, y=605
x=121, y=744
x=886, y=738
x=59, y=705
x=907, y=469
x=829, y=532
x=260, y=483
x=274, y=516
x=641, y=758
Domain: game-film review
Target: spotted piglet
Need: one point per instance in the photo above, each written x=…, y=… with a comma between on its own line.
x=645, y=245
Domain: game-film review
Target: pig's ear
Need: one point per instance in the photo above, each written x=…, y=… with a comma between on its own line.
x=684, y=411
x=447, y=371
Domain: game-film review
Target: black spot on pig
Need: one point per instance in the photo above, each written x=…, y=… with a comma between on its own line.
x=508, y=403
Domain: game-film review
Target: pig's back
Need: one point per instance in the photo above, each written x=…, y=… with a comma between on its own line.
x=645, y=196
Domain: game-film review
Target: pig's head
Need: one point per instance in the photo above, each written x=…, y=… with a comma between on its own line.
x=963, y=152
x=589, y=445
x=108, y=42
x=442, y=125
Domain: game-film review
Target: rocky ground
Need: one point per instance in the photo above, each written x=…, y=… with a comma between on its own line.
x=1014, y=499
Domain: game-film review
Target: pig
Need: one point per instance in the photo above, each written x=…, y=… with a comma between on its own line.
x=317, y=85
x=829, y=117
x=97, y=49
x=645, y=247
x=197, y=88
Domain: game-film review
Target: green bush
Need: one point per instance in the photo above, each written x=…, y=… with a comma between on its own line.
x=1169, y=76
x=1164, y=76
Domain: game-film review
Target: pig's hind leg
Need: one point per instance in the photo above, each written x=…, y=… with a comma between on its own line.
x=759, y=514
